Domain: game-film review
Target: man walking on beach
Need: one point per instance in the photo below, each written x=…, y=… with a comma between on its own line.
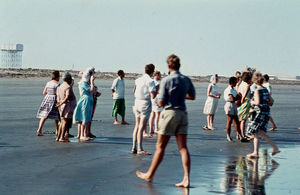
x=144, y=90
x=174, y=89
x=118, y=94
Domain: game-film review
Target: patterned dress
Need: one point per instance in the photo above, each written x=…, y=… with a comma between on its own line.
x=83, y=111
x=48, y=108
x=259, y=115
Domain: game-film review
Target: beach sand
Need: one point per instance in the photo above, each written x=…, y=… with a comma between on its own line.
x=39, y=165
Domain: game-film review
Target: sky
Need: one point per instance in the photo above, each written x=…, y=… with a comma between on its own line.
x=209, y=36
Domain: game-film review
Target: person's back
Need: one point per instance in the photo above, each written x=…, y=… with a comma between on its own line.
x=144, y=85
x=263, y=99
x=173, y=90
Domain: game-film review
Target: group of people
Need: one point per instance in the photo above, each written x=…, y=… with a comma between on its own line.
x=164, y=103
x=238, y=102
x=248, y=98
x=60, y=104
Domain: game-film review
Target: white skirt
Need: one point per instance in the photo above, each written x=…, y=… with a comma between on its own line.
x=211, y=105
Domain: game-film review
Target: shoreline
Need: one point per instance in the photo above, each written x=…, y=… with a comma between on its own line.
x=45, y=73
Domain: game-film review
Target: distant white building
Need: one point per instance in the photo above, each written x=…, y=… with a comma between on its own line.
x=11, y=56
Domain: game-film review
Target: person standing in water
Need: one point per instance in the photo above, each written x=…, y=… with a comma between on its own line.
x=174, y=89
x=259, y=116
x=211, y=103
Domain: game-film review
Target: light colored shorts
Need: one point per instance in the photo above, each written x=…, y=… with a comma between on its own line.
x=173, y=122
x=230, y=108
x=142, y=109
x=155, y=107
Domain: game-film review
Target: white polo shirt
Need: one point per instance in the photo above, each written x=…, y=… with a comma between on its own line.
x=144, y=86
x=119, y=86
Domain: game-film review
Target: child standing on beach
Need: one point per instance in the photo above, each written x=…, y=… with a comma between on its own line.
x=154, y=117
x=230, y=96
x=211, y=103
x=48, y=108
x=259, y=116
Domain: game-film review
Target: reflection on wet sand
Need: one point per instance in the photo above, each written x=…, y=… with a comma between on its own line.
x=247, y=176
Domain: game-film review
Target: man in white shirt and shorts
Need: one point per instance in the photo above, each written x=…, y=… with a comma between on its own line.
x=144, y=90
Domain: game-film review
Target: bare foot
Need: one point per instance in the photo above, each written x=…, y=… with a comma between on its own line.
x=133, y=151
x=142, y=152
x=143, y=176
x=69, y=135
x=63, y=140
x=229, y=138
x=252, y=156
x=274, y=152
x=273, y=128
x=185, y=183
x=39, y=133
x=85, y=138
x=124, y=123
x=117, y=123
x=147, y=135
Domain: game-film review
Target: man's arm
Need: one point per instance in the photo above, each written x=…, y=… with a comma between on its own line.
x=191, y=93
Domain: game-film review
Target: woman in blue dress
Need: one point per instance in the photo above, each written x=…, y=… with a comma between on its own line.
x=84, y=109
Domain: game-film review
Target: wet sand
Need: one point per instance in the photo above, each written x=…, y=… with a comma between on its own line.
x=39, y=165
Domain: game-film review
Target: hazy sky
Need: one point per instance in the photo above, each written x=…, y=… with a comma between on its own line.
x=210, y=36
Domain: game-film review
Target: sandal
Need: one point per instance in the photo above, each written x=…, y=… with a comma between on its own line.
x=142, y=152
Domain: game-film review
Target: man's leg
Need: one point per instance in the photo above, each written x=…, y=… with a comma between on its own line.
x=115, y=111
x=134, y=135
x=161, y=144
x=185, y=158
x=142, y=126
x=122, y=112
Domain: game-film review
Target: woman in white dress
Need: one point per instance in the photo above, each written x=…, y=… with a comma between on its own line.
x=211, y=103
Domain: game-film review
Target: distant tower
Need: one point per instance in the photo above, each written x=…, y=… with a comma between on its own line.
x=11, y=56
